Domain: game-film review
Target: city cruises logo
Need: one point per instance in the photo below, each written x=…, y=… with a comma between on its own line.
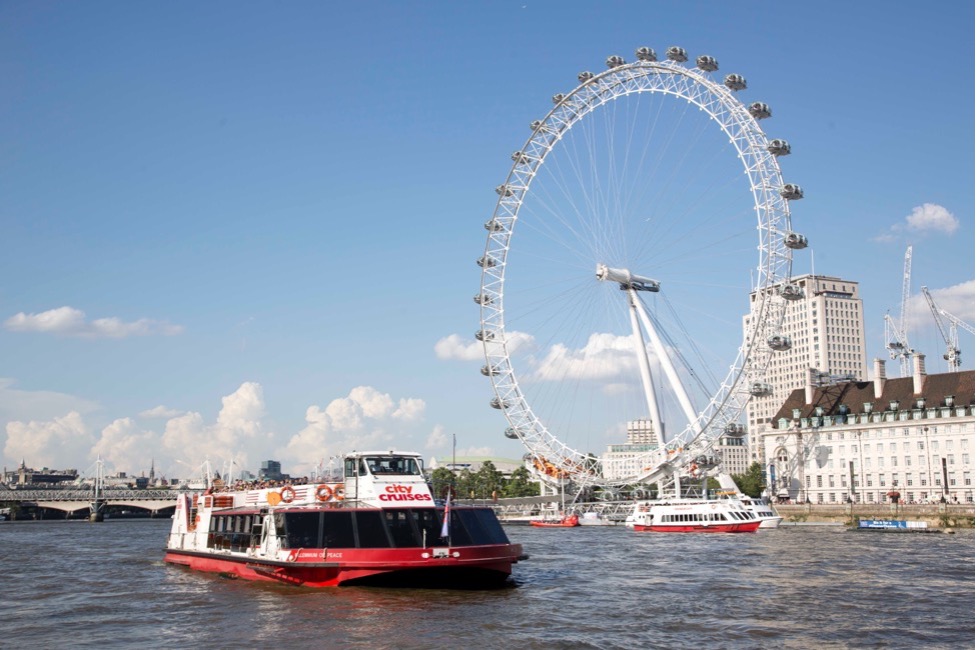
x=398, y=492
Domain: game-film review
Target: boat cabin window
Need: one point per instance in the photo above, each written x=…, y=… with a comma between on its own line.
x=393, y=465
x=390, y=528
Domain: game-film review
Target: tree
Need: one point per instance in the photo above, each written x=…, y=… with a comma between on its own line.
x=486, y=480
x=752, y=482
x=465, y=484
x=520, y=484
x=441, y=479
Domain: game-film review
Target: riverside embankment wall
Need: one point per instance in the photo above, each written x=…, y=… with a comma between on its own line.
x=935, y=515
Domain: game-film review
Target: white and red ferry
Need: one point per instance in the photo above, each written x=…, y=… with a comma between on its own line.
x=378, y=525
x=693, y=516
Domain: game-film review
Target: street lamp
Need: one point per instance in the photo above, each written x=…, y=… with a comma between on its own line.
x=861, y=465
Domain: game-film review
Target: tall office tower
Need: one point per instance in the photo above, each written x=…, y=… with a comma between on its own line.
x=826, y=328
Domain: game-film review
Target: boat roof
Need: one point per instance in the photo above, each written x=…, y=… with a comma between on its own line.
x=386, y=452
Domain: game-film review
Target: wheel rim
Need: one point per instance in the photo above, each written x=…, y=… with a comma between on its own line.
x=602, y=218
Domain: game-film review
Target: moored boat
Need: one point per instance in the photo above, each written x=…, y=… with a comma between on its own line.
x=894, y=525
x=378, y=525
x=568, y=521
x=693, y=516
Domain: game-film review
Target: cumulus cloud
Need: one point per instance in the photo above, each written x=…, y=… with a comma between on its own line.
x=160, y=412
x=192, y=441
x=58, y=443
x=604, y=356
x=123, y=447
x=68, y=321
x=957, y=300
x=438, y=439
x=457, y=348
x=366, y=418
x=924, y=219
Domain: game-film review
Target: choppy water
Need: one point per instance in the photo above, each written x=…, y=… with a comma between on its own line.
x=75, y=584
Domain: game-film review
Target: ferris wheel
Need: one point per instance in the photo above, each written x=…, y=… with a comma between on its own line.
x=636, y=272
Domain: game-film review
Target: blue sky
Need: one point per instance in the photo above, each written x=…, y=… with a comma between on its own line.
x=241, y=229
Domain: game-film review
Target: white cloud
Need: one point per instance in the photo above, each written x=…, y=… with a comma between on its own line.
x=361, y=420
x=925, y=218
x=25, y=405
x=457, y=348
x=930, y=216
x=58, y=444
x=160, y=412
x=237, y=432
x=124, y=448
x=957, y=300
x=605, y=356
x=68, y=321
x=437, y=440
x=454, y=347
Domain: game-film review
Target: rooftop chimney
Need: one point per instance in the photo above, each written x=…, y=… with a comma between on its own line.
x=812, y=378
x=879, y=377
x=919, y=372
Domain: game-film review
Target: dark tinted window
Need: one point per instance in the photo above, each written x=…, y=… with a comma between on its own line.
x=337, y=530
x=370, y=530
x=491, y=528
x=302, y=529
x=401, y=526
x=459, y=531
x=429, y=525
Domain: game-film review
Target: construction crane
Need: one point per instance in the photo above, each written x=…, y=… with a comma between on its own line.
x=895, y=333
x=950, y=336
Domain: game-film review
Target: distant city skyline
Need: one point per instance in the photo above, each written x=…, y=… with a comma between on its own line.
x=247, y=232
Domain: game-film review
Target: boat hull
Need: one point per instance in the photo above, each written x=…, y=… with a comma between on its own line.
x=770, y=522
x=732, y=527
x=467, y=567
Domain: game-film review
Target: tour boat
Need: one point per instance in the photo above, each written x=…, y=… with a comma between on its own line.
x=693, y=516
x=763, y=510
x=377, y=525
x=568, y=521
x=760, y=507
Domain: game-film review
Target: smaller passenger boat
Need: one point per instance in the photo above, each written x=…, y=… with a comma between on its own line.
x=761, y=507
x=568, y=521
x=693, y=516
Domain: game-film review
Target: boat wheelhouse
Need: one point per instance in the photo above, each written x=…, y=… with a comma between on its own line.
x=378, y=524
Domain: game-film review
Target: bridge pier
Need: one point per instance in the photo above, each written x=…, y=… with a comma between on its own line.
x=97, y=511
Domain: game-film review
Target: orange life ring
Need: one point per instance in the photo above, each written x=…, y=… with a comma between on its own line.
x=339, y=493
x=287, y=493
x=323, y=492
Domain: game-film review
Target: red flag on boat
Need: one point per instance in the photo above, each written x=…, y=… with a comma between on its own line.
x=447, y=515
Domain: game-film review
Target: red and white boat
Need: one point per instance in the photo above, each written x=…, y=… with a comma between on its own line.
x=693, y=516
x=568, y=521
x=378, y=525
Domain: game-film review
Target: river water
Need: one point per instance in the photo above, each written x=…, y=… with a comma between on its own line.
x=76, y=584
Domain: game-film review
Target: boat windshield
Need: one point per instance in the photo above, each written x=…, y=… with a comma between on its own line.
x=403, y=465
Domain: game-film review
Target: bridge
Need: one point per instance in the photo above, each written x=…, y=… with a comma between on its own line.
x=73, y=500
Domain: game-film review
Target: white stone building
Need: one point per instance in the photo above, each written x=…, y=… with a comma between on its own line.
x=910, y=439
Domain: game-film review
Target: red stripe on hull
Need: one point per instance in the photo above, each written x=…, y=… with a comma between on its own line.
x=493, y=564
x=743, y=527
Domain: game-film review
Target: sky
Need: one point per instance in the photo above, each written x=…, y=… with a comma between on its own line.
x=247, y=231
